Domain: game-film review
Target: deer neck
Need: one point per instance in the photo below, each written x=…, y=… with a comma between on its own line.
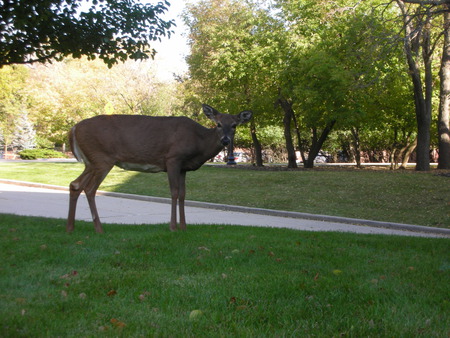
x=214, y=141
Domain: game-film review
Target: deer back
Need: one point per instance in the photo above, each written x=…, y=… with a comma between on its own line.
x=144, y=143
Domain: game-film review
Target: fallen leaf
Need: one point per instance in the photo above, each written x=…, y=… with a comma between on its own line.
x=111, y=293
x=316, y=277
x=117, y=323
x=271, y=253
x=82, y=295
x=64, y=293
x=79, y=243
x=195, y=314
x=337, y=272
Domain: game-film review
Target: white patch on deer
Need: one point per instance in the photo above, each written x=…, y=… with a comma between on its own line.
x=77, y=150
x=148, y=168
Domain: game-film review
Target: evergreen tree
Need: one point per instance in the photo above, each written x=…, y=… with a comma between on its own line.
x=24, y=135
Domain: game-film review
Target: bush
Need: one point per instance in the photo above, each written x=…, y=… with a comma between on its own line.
x=33, y=154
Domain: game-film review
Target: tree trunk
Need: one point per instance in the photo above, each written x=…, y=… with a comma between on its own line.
x=416, y=38
x=317, y=144
x=288, y=113
x=256, y=145
x=444, y=98
x=406, y=153
x=299, y=140
x=356, y=144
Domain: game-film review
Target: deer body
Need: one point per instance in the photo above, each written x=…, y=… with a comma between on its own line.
x=150, y=144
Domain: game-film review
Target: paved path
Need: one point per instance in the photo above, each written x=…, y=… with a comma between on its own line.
x=30, y=199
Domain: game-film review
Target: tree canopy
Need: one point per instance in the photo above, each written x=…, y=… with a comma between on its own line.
x=45, y=30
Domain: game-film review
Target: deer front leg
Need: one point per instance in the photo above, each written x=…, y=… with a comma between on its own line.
x=181, y=197
x=174, y=183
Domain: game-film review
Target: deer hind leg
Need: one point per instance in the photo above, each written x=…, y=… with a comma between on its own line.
x=90, y=190
x=89, y=181
x=75, y=188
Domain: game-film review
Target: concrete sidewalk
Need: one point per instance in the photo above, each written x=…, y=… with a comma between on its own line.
x=31, y=199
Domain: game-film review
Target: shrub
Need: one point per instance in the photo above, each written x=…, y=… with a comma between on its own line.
x=33, y=154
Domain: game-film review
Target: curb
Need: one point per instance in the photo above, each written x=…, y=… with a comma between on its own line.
x=259, y=211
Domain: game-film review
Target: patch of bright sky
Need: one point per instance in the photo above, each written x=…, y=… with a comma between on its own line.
x=171, y=53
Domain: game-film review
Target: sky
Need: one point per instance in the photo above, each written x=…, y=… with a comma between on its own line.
x=171, y=53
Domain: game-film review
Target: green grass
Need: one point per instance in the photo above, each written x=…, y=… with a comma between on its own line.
x=145, y=281
x=396, y=196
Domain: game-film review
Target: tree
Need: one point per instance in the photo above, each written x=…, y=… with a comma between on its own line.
x=45, y=30
x=13, y=101
x=420, y=41
x=230, y=45
x=444, y=97
x=64, y=93
x=24, y=135
x=334, y=63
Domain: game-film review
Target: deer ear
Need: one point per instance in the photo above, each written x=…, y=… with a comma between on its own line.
x=245, y=116
x=210, y=112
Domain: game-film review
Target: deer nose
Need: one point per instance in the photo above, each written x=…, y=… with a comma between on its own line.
x=225, y=141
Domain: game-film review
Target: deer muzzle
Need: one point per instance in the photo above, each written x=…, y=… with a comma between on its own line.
x=225, y=141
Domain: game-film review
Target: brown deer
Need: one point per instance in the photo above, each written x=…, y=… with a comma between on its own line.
x=149, y=144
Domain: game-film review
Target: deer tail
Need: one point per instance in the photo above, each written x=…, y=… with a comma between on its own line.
x=75, y=147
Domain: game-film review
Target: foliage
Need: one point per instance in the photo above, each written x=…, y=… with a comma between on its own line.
x=39, y=31
x=331, y=60
x=383, y=195
x=33, y=154
x=245, y=281
x=13, y=101
x=24, y=135
x=67, y=92
x=230, y=62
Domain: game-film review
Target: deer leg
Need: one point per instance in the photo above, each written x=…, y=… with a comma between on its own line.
x=75, y=189
x=181, y=197
x=174, y=183
x=90, y=191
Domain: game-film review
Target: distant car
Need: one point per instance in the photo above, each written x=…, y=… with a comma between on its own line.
x=322, y=157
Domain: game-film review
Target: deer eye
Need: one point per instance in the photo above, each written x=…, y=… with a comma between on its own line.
x=219, y=125
x=234, y=125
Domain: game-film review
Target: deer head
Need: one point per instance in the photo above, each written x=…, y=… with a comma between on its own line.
x=226, y=124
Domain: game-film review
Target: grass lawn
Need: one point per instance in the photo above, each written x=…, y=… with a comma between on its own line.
x=145, y=280
x=396, y=196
